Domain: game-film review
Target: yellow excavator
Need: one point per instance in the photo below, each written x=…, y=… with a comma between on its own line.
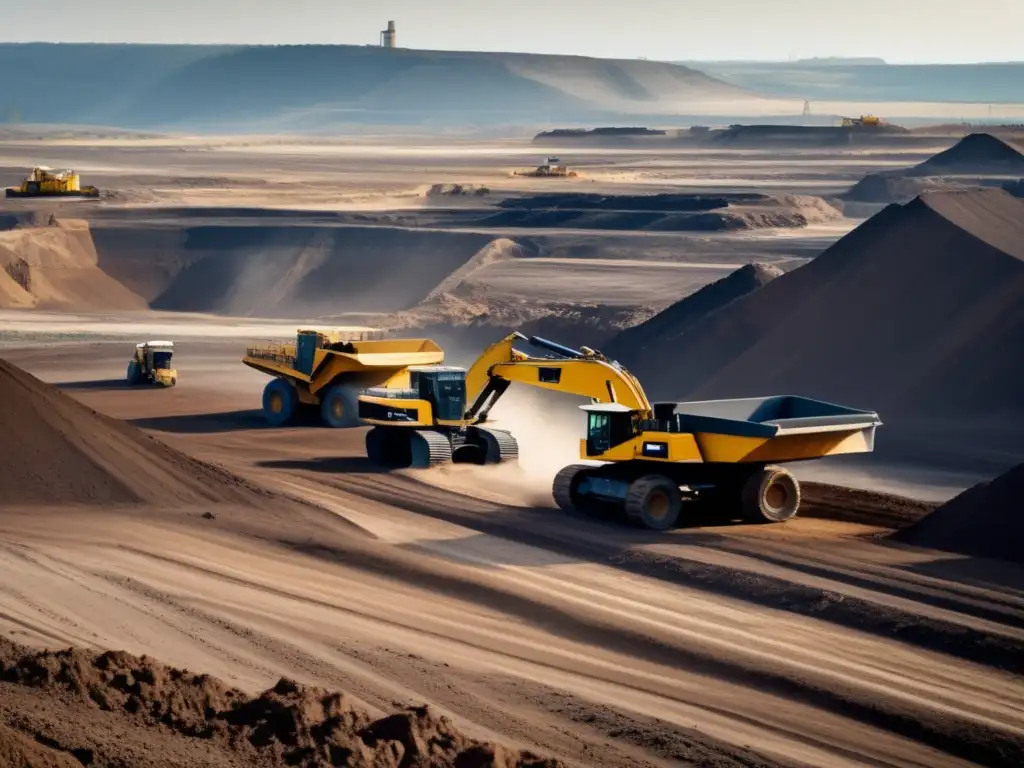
x=647, y=458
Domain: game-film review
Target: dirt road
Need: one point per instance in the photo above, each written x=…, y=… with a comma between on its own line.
x=810, y=643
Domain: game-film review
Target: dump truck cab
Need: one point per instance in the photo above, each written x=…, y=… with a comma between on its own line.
x=151, y=364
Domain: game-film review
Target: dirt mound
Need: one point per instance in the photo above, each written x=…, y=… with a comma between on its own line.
x=472, y=315
x=918, y=313
x=974, y=154
x=674, y=321
x=888, y=188
x=662, y=212
x=56, y=451
x=56, y=266
x=287, y=725
x=986, y=520
x=19, y=750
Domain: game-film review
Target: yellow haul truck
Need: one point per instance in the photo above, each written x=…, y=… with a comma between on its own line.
x=151, y=364
x=45, y=182
x=647, y=457
x=321, y=374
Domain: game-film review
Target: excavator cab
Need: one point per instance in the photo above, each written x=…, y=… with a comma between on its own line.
x=444, y=387
x=608, y=425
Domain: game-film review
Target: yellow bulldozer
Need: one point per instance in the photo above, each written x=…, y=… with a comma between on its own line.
x=151, y=364
x=646, y=458
x=46, y=182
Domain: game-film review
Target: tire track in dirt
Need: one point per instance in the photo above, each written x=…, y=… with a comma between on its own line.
x=915, y=716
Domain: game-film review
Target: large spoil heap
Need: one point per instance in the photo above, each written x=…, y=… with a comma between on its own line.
x=56, y=451
x=918, y=312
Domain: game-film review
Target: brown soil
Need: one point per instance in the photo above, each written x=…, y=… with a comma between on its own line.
x=835, y=502
x=57, y=451
x=887, y=188
x=287, y=725
x=56, y=266
x=986, y=520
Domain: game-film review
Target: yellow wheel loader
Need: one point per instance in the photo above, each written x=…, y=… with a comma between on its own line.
x=646, y=458
x=151, y=364
x=319, y=377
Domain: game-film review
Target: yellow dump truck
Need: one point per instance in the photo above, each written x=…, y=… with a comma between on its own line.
x=151, y=364
x=46, y=182
x=319, y=377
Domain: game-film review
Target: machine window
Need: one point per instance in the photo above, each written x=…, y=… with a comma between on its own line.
x=598, y=433
x=549, y=375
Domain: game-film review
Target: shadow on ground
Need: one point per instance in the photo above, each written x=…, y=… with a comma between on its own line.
x=96, y=385
x=202, y=423
x=347, y=465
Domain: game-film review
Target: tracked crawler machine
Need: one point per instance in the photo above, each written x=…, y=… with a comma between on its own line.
x=647, y=458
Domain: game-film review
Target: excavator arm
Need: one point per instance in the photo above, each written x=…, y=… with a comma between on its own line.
x=582, y=372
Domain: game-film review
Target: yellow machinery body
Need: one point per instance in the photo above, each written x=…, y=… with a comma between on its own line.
x=151, y=364
x=864, y=121
x=646, y=458
x=44, y=182
x=321, y=374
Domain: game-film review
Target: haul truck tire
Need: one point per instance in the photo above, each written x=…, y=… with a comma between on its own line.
x=654, y=502
x=770, y=495
x=565, y=488
x=280, y=403
x=133, y=375
x=339, y=407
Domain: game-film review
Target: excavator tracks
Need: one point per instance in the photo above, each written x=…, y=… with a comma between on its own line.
x=498, y=444
x=429, y=448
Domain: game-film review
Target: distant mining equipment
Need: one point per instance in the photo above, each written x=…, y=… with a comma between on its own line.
x=550, y=169
x=388, y=37
x=864, y=121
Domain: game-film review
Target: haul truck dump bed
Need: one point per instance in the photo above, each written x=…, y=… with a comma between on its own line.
x=321, y=374
x=768, y=429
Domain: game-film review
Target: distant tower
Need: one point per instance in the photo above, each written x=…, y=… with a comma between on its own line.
x=387, y=36
x=807, y=108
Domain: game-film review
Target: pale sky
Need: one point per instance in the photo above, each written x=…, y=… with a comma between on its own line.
x=903, y=31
